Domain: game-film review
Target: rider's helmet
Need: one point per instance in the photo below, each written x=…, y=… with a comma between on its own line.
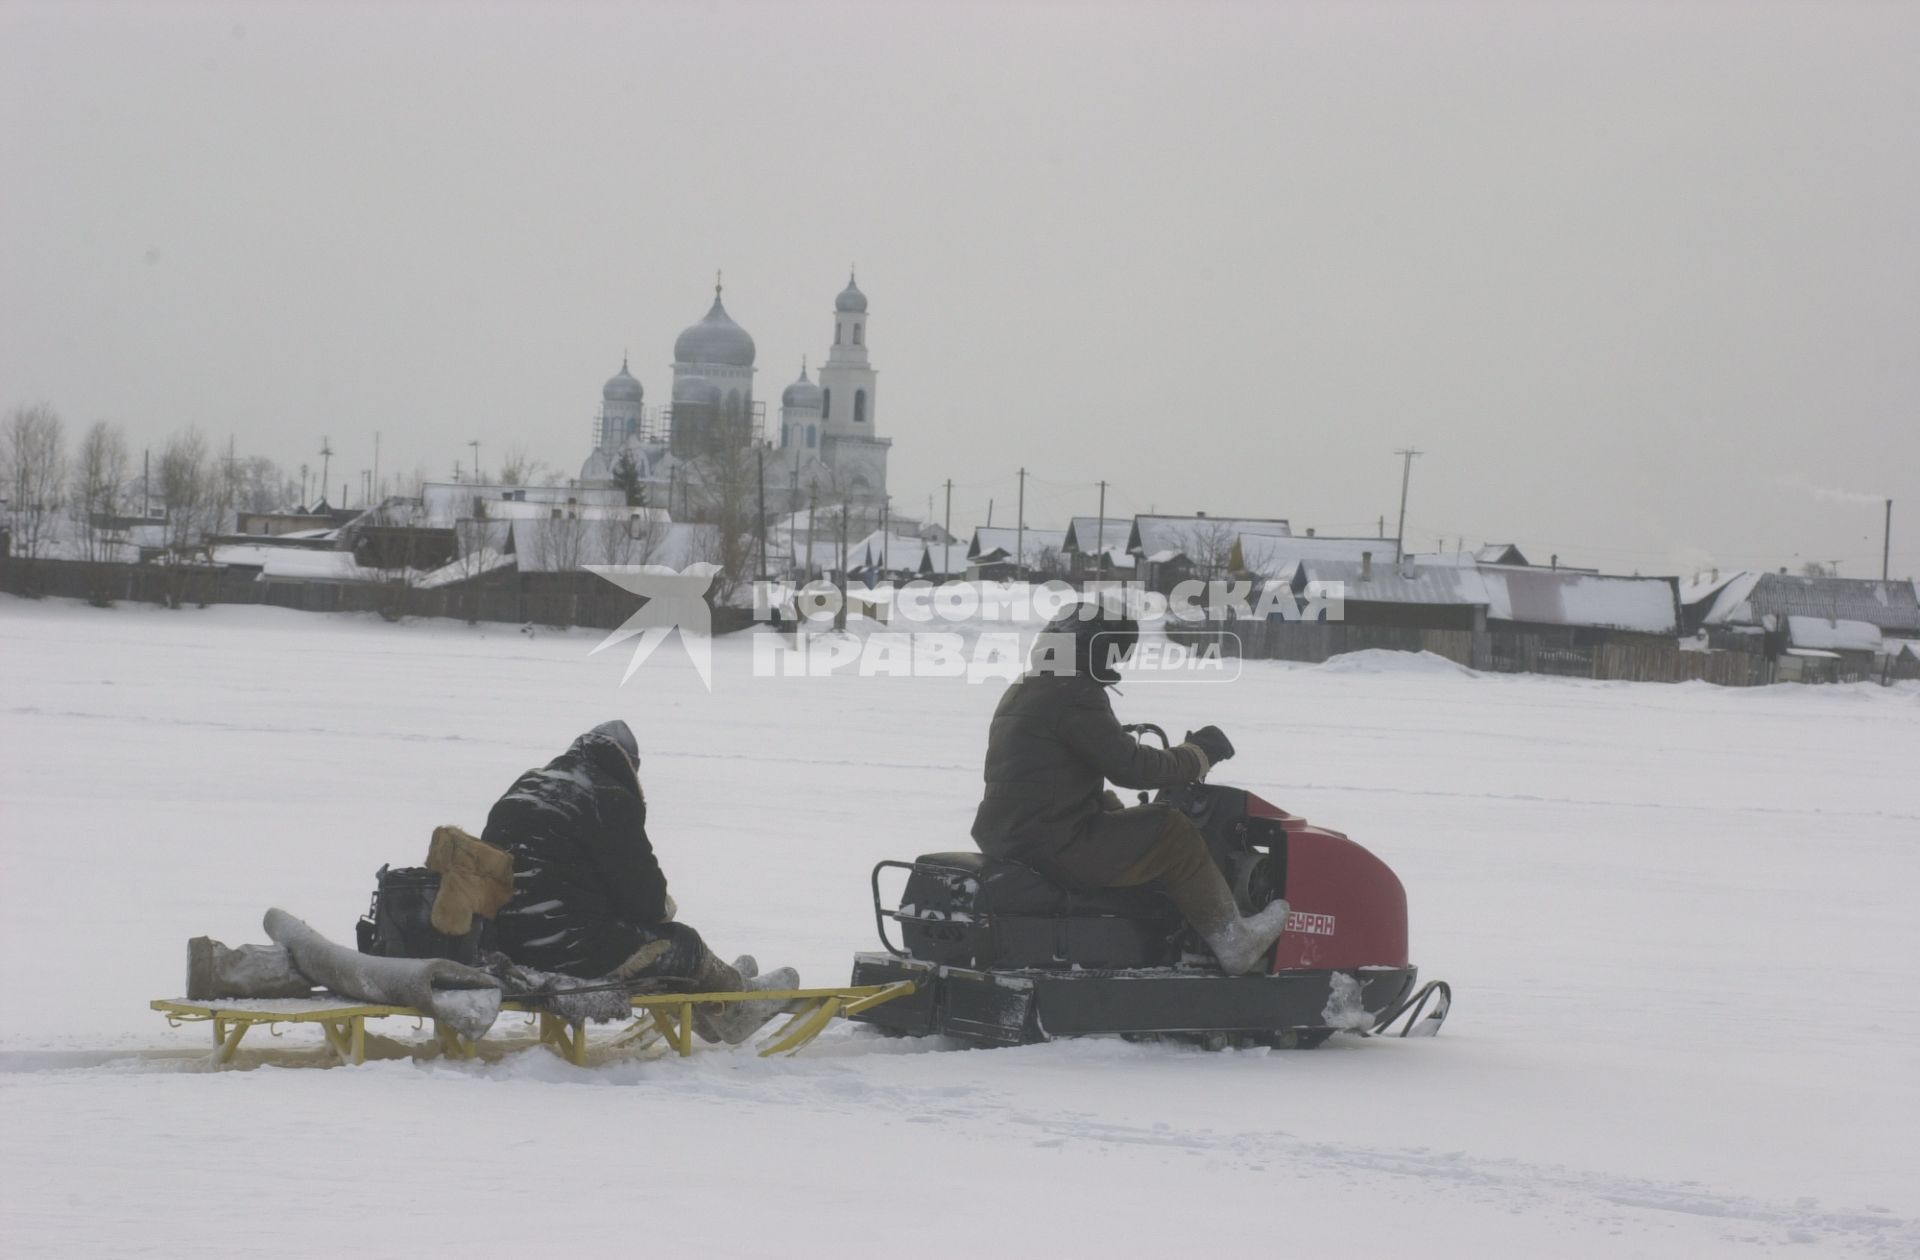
x=1101, y=639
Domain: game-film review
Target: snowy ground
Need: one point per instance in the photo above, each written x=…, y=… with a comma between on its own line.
x=1678, y=921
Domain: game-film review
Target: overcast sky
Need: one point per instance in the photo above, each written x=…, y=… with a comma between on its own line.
x=1643, y=282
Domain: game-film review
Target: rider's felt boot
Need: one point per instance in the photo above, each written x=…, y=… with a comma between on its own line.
x=735, y=1022
x=251, y=971
x=1241, y=944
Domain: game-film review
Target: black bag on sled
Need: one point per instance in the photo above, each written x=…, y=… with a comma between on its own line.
x=399, y=924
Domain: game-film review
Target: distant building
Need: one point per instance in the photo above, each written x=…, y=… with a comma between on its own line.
x=826, y=444
x=1749, y=605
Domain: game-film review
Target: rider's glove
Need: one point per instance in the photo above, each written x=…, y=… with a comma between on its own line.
x=1212, y=741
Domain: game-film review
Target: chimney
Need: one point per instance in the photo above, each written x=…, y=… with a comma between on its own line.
x=1553, y=561
x=1309, y=531
x=1366, y=565
x=1716, y=574
x=1201, y=515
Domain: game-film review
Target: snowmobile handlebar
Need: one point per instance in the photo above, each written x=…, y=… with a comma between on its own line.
x=1148, y=728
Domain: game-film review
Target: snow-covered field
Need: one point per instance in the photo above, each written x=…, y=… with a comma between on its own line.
x=1679, y=922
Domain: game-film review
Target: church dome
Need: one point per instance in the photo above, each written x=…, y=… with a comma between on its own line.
x=802, y=395
x=851, y=300
x=596, y=469
x=715, y=339
x=696, y=389
x=622, y=387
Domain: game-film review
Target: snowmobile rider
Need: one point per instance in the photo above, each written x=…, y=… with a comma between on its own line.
x=1054, y=745
x=589, y=898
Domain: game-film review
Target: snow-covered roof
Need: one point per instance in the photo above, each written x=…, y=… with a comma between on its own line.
x=891, y=552
x=1272, y=553
x=1749, y=597
x=465, y=569
x=1833, y=636
x=1179, y=535
x=1556, y=597
x=1089, y=534
x=989, y=539
x=295, y=564
x=1498, y=553
x=444, y=502
x=1551, y=597
x=550, y=546
x=945, y=560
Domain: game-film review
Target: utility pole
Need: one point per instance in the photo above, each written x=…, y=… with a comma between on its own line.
x=1406, y=474
x=813, y=498
x=840, y=617
x=146, y=482
x=1886, y=541
x=475, y=444
x=949, y=525
x=760, y=463
x=326, y=461
x=989, y=513
x=1020, y=531
x=1383, y=525
x=1100, y=543
x=376, y=461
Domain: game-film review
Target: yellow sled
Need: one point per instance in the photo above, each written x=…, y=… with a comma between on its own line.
x=660, y=1019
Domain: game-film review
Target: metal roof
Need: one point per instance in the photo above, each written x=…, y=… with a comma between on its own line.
x=1749, y=598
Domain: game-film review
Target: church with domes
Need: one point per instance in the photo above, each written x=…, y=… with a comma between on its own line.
x=825, y=444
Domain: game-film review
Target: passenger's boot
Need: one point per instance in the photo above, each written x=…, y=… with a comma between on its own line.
x=735, y=1022
x=1241, y=944
x=251, y=971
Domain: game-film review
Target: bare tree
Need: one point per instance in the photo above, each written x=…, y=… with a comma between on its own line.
x=728, y=499
x=33, y=467
x=561, y=541
x=96, y=488
x=190, y=488
x=263, y=486
x=519, y=468
x=1818, y=569
x=1207, y=546
x=1047, y=563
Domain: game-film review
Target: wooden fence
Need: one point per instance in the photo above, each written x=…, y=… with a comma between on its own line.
x=568, y=599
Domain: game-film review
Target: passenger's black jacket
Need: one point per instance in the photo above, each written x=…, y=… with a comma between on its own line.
x=1054, y=746
x=587, y=891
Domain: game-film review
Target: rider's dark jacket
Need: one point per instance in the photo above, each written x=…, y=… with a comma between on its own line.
x=587, y=891
x=1054, y=745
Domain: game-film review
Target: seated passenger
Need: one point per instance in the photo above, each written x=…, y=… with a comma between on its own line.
x=589, y=898
x=1054, y=746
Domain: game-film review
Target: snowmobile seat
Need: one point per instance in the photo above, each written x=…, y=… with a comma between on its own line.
x=1008, y=887
x=967, y=909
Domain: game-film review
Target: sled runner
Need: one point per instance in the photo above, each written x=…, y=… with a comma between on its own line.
x=660, y=1019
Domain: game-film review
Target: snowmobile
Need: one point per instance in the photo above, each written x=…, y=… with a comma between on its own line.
x=1002, y=955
